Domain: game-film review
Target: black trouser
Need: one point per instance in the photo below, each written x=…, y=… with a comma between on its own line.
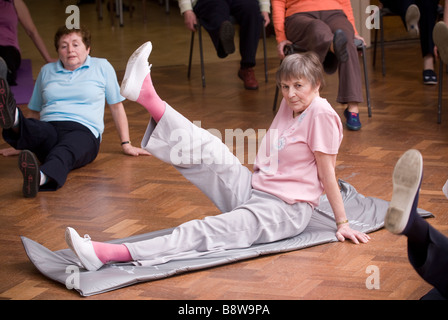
x=430, y=259
x=212, y=13
x=428, y=16
x=60, y=146
x=13, y=59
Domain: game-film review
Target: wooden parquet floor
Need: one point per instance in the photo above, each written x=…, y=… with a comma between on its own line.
x=118, y=196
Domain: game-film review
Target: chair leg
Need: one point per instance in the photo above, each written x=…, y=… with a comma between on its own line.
x=274, y=107
x=264, y=52
x=202, y=56
x=366, y=80
x=374, y=48
x=191, y=54
x=99, y=8
x=439, y=103
x=383, y=60
x=120, y=12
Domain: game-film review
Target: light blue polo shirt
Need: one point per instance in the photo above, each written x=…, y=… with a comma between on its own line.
x=63, y=95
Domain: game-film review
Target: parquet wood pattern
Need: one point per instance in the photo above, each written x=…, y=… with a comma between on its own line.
x=118, y=196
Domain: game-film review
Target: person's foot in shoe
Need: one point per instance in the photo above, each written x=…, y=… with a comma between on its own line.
x=412, y=18
x=226, y=38
x=440, y=36
x=29, y=167
x=83, y=249
x=137, y=69
x=340, y=45
x=352, y=120
x=429, y=77
x=406, y=179
x=7, y=105
x=248, y=77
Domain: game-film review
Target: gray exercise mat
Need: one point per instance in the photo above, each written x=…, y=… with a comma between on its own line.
x=365, y=214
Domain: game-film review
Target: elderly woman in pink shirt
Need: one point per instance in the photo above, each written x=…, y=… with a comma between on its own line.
x=295, y=164
x=326, y=27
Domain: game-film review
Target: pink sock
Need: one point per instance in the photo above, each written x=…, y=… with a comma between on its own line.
x=149, y=99
x=107, y=252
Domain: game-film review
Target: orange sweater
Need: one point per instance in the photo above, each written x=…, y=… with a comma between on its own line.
x=285, y=8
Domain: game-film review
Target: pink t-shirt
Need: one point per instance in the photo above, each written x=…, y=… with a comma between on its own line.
x=288, y=169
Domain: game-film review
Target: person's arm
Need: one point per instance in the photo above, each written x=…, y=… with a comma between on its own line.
x=190, y=20
x=186, y=9
x=121, y=123
x=348, y=10
x=265, y=9
x=326, y=164
x=278, y=19
x=27, y=22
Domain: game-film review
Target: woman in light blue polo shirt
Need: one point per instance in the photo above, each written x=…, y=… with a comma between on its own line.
x=68, y=99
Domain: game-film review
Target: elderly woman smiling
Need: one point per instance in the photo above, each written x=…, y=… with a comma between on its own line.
x=68, y=99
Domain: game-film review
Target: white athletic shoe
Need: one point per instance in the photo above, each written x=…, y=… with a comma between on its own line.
x=406, y=181
x=137, y=69
x=84, y=249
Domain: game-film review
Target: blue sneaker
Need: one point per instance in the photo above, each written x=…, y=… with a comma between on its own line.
x=353, y=122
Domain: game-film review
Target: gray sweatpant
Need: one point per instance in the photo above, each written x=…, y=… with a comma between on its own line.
x=248, y=216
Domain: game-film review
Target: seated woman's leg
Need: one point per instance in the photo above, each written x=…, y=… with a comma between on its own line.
x=137, y=83
x=430, y=257
x=198, y=155
x=427, y=247
x=76, y=147
x=263, y=219
x=350, y=82
x=201, y=157
x=215, y=18
x=308, y=33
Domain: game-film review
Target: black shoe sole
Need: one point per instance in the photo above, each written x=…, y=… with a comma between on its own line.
x=226, y=37
x=340, y=45
x=6, y=114
x=29, y=167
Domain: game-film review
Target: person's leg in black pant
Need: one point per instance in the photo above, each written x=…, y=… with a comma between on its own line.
x=427, y=247
x=212, y=14
x=76, y=147
x=248, y=16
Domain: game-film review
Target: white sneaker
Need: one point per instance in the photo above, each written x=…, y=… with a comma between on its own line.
x=136, y=71
x=406, y=181
x=84, y=249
